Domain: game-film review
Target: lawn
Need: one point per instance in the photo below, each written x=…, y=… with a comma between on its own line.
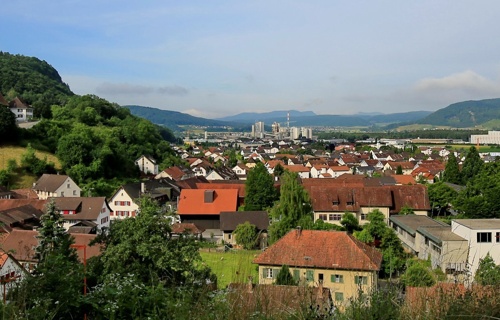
x=232, y=266
x=15, y=152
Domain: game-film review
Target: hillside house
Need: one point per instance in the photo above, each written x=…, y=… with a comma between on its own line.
x=333, y=259
x=11, y=272
x=94, y=211
x=147, y=165
x=21, y=110
x=123, y=203
x=56, y=185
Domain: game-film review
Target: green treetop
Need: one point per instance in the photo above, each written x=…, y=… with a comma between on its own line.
x=259, y=189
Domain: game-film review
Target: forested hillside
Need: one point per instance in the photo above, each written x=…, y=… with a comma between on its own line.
x=36, y=81
x=466, y=114
x=96, y=141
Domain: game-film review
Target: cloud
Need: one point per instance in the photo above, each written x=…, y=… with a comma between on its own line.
x=173, y=90
x=134, y=89
x=467, y=82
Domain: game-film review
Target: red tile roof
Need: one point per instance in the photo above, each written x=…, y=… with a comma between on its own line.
x=6, y=204
x=22, y=243
x=180, y=228
x=216, y=185
x=194, y=201
x=321, y=249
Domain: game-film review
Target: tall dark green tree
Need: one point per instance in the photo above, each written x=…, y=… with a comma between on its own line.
x=452, y=172
x=472, y=165
x=284, y=277
x=55, y=289
x=259, y=189
x=441, y=197
x=8, y=127
x=293, y=209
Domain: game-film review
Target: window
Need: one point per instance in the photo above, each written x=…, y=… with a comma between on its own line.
x=320, y=277
x=484, y=237
x=337, y=278
x=74, y=192
x=68, y=186
x=322, y=216
x=363, y=216
x=339, y=296
x=269, y=273
x=310, y=275
x=360, y=279
x=335, y=217
x=62, y=193
x=336, y=202
x=230, y=236
x=436, y=248
x=498, y=237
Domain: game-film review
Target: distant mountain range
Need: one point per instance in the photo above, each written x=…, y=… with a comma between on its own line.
x=482, y=114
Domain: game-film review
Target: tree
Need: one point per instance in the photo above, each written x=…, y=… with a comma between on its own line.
x=472, y=164
x=246, y=235
x=55, y=289
x=8, y=127
x=406, y=209
x=143, y=247
x=278, y=170
x=259, y=188
x=441, y=197
x=487, y=273
x=399, y=170
x=418, y=275
x=349, y=222
x=452, y=172
x=294, y=206
x=284, y=277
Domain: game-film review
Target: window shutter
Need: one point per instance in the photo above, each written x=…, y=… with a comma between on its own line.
x=296, y=274
x=264, y=273
x=275, y=273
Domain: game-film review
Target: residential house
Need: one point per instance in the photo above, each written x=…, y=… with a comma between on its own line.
x=5, y=194
x=334, y=259
x=21, y=109
x=19, y=215
x=147, y=165
x=427, y=238
x=11, y=273
x=22, y=245
x=191, y=229
x=203, y=207
x=340, y=170
x=406, y=167
x=330, y=202
x=175, y=173
x=229, y=220
x=56, y=185
x=483, y=237
x=123, y=202
x=225, y=184
x=241, y=171
x=94, y=211
x=303, y=172
x=221, y=173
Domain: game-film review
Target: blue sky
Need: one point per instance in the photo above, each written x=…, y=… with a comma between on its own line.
x=218, y=58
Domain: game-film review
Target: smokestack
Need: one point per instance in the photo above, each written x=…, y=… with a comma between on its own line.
x=299, y=231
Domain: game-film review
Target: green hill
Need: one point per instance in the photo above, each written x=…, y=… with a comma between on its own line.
x=34, y=80
x=467, y=114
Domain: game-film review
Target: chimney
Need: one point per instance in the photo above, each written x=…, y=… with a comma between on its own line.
x=209, y=196
x=143, y=187
x=299, y=231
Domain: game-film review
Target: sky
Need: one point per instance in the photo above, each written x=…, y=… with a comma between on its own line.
x=220, y=58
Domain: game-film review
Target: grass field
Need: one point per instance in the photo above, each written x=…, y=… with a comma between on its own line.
x=9, y=152
x=232, y=266
x=23, y=180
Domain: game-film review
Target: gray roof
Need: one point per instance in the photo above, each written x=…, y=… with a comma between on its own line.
x=229, y=220
x=87, y=208
x=410, y=223
x=439, y=234
x=50, y=182
x=479, y=223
